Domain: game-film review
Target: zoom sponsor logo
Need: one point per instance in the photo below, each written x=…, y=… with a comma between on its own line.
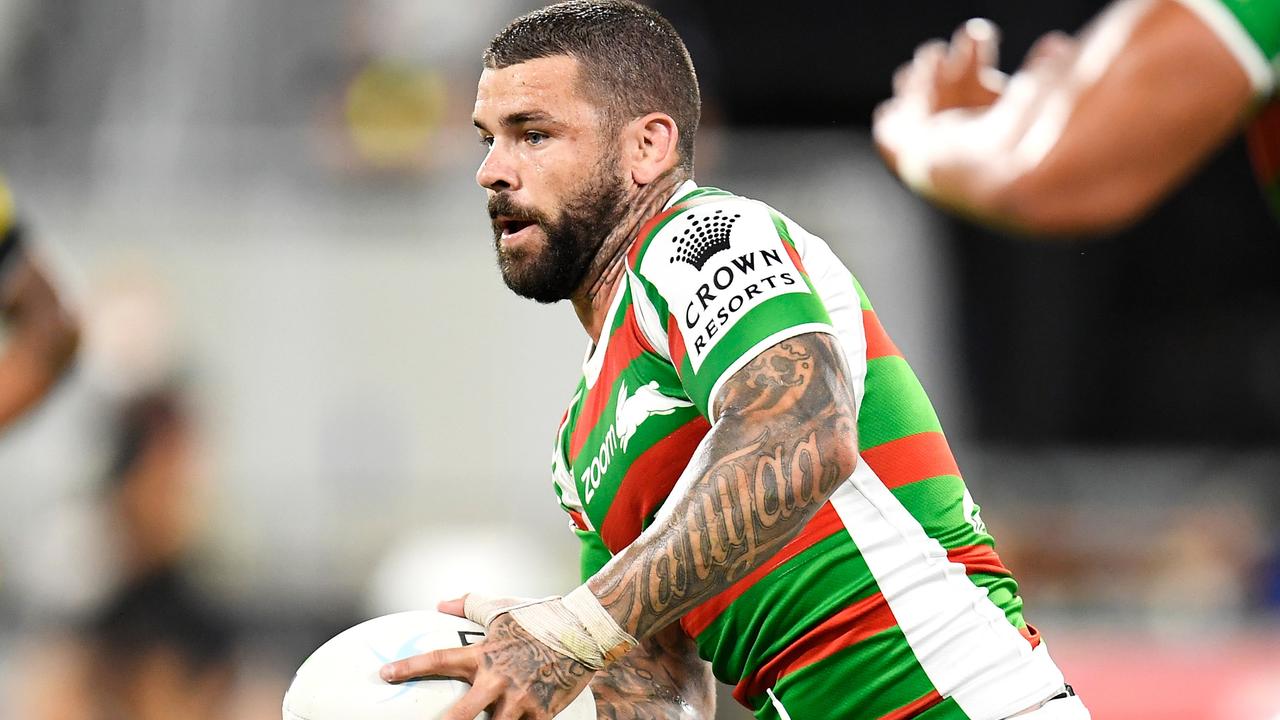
x=630, y=412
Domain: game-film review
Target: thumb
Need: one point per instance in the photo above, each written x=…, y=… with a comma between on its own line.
x=455, y=607
x=482, y=609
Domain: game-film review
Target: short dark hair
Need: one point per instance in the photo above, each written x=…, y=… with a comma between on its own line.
x=631, y=59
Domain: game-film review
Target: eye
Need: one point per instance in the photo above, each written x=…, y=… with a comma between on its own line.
x=533, y=137
x=486, y=140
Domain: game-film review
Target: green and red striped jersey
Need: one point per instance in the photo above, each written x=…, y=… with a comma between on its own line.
x=1251, y=31
x=891, y=602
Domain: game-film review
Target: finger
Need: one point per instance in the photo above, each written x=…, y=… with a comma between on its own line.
x=892, y=126
x=455, y=607
x=962, y=55
x=482, y=609
x=479, y=697
x=1050, y=47
x=451, y=662
x=986, y=41
x=506, y=709
x=924, y=68
x=885, y=120
x=929, y=56
x=902, y=78
x=930, y=50
x=993, y=80
x=975, y=48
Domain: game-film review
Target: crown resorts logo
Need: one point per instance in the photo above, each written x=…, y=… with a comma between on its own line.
x=733, y=256
x=705, y=236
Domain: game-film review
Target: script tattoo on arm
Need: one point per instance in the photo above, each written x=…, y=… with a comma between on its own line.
x=784, y=440
x=662, y=679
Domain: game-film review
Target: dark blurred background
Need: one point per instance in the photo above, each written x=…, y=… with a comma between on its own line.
x=268, y=214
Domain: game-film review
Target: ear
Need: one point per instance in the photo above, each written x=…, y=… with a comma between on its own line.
x=650, y=146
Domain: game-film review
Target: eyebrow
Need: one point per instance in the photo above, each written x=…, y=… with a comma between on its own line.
x=519, y=118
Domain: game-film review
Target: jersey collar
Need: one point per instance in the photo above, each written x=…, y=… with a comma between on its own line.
x=593, y=360
x=685, y=188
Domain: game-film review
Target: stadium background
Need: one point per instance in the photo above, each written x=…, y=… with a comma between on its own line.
x=268, y=209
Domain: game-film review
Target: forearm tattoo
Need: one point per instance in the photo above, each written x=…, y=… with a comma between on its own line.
x=784, y=440
x=662, y=679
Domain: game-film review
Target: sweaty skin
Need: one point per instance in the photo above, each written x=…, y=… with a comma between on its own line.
x=1086, y=137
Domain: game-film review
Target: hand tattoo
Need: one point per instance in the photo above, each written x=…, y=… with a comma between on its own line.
x=539, y=675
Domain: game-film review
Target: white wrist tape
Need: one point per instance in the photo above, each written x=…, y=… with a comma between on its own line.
x=576, y=626
x=482, y=609
x=612, y=641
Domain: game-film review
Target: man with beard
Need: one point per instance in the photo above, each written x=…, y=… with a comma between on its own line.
x=42, y=334
x=760, y=485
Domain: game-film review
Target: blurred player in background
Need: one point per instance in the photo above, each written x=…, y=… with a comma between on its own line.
x=1093, y=130
x=160, y=648
x=42, y=334
x=157, y=646
x=755, y=473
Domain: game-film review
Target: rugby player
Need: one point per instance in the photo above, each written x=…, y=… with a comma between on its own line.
x=761, y=487
x=1091, y=131
x=42, y=334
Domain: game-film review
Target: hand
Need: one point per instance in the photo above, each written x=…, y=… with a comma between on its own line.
x=511, y=673
x=941, y=77
x=966, y=74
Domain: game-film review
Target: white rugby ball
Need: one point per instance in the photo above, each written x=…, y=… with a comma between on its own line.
x=340, y=680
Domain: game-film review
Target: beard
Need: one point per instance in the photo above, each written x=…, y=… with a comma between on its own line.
x=552, y=272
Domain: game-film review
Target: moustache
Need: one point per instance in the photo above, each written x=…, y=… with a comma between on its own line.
x=501, y=204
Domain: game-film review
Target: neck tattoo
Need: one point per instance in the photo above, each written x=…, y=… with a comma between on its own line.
x=610, y=259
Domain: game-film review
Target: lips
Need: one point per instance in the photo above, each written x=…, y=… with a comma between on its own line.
x=511, y=225
x=513, y=231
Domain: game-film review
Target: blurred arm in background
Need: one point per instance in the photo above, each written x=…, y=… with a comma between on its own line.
x=1091, y=131
x=42, y=332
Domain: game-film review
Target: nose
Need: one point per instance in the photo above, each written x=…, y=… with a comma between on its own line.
x=497, y=172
